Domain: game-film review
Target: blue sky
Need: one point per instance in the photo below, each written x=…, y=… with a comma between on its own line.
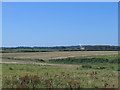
x=56, y=24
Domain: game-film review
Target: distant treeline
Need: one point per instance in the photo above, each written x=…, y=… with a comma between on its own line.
x=60, y=48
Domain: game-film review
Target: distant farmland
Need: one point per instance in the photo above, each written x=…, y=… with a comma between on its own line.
x=57, y=55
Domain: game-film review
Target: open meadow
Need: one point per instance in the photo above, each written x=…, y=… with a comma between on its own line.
x=56, y=54
x=73, y=69
x=37, y=76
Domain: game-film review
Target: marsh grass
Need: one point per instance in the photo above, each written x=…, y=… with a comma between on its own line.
x=33, y=76
x=102, y=72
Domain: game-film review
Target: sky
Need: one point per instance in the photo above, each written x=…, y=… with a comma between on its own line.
x=59, y=23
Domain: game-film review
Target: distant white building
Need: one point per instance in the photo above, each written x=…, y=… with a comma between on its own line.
x=82, y=47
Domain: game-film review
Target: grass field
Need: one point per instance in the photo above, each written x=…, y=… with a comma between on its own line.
x=24, y=76
x=57, y=55
x=66, y=70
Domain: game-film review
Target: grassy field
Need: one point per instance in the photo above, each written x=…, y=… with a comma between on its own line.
x=36, y=76
x=57, y=55
x=80, y=69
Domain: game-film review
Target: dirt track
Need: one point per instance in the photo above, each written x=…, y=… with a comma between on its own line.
x=41, y=64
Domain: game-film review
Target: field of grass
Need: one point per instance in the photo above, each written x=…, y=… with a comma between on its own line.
x=57, y=55
x=76, y=69
x=37, y=76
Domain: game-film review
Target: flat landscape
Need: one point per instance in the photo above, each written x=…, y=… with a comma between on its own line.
x=57, y=55
x=52, y=45
x=63, y=69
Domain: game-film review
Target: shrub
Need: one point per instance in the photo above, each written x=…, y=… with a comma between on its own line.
x=10, y=68
x=86, y=66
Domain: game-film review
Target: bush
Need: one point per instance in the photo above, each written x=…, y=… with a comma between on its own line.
x=10, y=68
x=86, y=66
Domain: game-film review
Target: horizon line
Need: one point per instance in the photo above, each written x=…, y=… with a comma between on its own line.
x=63, y=45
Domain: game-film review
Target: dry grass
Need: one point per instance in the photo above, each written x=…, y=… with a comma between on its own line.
x=57, y=55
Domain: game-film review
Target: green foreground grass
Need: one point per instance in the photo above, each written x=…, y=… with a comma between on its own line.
x=99, y=71
x=37, y=76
